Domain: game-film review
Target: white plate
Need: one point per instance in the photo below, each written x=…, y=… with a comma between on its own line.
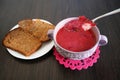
x=44, y=49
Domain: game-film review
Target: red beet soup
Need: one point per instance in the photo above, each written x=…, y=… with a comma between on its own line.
x=72, y=37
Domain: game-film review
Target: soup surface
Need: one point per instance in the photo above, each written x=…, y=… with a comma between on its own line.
x=74, y=38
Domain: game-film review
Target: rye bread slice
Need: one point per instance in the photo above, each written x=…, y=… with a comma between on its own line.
x=21, y=41
x=37, y=28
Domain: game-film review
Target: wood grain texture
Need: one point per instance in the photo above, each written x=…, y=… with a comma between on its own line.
x=46, y=67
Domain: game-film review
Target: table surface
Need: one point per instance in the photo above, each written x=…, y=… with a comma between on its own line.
x=46, y=67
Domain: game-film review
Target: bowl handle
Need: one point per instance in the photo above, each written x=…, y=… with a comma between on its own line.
x=50, y=33
x=103, y=41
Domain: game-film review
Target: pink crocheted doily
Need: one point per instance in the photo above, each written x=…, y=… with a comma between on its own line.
x=77, y=64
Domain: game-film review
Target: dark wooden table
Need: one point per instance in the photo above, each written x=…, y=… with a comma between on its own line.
x=46, y=67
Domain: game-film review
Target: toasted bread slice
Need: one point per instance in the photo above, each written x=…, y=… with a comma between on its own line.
x=37, y=27
x=21, y=41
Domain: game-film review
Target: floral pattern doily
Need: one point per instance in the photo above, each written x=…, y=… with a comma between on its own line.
x=77, y=64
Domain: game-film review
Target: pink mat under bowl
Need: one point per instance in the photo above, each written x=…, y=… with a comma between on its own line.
x=77, y=64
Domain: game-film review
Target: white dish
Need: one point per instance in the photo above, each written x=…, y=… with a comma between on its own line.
x=44, y=49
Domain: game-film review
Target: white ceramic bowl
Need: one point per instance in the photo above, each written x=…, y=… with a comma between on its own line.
x=101, y=40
